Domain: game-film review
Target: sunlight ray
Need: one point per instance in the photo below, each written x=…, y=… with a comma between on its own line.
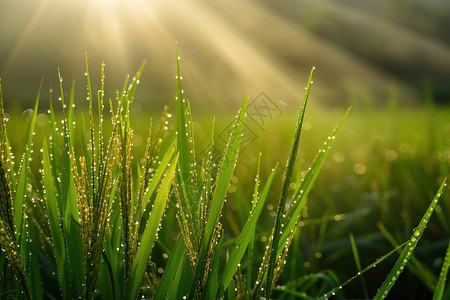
x=25, y=35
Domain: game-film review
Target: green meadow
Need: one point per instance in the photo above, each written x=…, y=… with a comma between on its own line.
x=98, y=202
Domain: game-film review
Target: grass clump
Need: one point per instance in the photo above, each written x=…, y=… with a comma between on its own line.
x=87, y=224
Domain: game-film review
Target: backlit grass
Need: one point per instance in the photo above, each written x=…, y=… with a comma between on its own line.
x=88, y=213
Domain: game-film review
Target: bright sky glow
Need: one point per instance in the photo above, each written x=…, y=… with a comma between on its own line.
x=227, y=48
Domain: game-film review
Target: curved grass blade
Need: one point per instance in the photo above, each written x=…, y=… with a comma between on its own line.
x=150, y=233
x=408, y=250
x=284, y=190
x=439, y=291
x=244, y=238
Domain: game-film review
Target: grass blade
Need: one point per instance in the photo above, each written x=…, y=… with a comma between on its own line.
x=68, y=204
x=213, y=274
x=358, y=264
x=21, y=186
x=305, y=187
x=55, y=225
x=416, y=267
x=10, y=249
x=223, y=180
x=244, y=238
x=176, y=261
x=150, y=233
x=156, y=179
x=439, y=291
x=182, y=139
x=6, y=188
x=409, y=248
x=284, y=190
x=130, y=95
x=369, y=267
x=251, y=244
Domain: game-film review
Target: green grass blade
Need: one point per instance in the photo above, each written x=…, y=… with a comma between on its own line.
x=176, y=260
x=251, y=244
x=156, y=179
x=369, y=267
x=21, y=194
x=244, y=238
x=358, y=264
x=9, y=158
x=182, y=139
x=55, y=224
x=213, y=274
x=9, y=247
x=409, y=248
x=71, y=112
x=182, y=280
x=307, y=183
x=6, y=178
x=416, y=267
x=223, y=180
x=91, y=157
x=135, y=83
x=54, y=144
x=128, y=96
x=88, y=81
x=21, y=186
x=231, y=291
x=439, y=291
x=70, y=215
x=225, y=172
x=34, y=274
x=66, y=196
x=100, y=108
x=113, y=239
x=284, y=190
x=150, y=233
x=107, y=283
